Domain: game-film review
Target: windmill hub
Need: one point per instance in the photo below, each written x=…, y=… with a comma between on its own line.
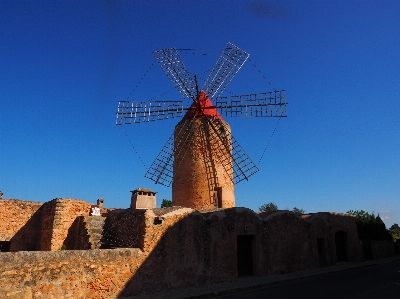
x=202, y=107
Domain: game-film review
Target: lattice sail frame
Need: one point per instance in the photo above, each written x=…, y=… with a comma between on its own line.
x=136, y=112
x=226, y=68
x=173, y=66
x=161, y=170
x=267, y=104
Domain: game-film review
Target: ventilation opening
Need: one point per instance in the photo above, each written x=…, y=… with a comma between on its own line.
x=158, y=220
x=245, y=255
x=5, y=246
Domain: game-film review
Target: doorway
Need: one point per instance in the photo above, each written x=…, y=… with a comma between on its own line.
x=341, y=246
x=321, y=252
x=245, y=255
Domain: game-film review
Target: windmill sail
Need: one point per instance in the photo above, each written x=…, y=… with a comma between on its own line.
x=265, y=104
x=230, y=154
x=136, y=112
x=202, y=157
x=172, y=65
x=227, y=66
x=161, y=170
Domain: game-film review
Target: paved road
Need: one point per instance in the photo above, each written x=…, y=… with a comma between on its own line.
x=372, y=282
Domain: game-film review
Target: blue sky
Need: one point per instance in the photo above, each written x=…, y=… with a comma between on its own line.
x=64, y=65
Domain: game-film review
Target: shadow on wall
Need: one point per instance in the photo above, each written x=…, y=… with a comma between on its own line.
x=46, y=228
x=124, y=229
x=77, y=237
x=196, y=250
x=192, y=248
x=181, y=254
x=28, y=236
x=181, y=247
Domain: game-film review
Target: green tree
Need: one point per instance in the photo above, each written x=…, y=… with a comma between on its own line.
x=268, y=207
x=166, y=203
x=369, y=226
x=395, y=232
x=298, y=211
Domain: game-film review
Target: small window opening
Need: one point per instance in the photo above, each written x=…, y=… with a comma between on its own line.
x=218, y=196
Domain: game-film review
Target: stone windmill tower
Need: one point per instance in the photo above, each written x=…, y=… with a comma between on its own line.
x=202, y=159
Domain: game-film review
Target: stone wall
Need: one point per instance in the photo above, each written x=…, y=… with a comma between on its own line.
x=14, y=214
x=57, y=217
x=36, y=226
x=19, y=221
x=178, y=247
x=341, y=222
x=382, y=248
x=124, y=228
x=85, y=274
x=320, y=237
x=78, y=237
x=47, y=223
x=287, y=244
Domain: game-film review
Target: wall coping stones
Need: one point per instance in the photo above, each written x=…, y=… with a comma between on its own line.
x=68, y=255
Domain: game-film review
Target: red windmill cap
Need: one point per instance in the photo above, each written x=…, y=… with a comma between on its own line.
x=202, y=107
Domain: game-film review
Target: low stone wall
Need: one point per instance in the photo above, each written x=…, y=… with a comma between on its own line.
x=76, y=274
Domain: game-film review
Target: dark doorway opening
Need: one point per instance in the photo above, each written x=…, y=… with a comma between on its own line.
x=321, y=252
x=5, y=246
x=245, y=255
x=341, y=246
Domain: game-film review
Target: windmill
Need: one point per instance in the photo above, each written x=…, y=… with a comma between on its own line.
x=202, y=159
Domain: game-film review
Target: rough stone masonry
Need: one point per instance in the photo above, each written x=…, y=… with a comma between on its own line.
x=157, y=249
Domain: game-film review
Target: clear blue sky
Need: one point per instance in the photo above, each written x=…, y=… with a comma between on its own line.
x=64, y=65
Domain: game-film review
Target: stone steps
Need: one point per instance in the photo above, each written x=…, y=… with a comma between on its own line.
x=94, y=227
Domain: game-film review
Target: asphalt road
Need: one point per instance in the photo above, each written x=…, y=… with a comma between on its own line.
x=372, y=282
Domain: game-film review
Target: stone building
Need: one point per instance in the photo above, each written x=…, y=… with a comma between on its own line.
x=130, y=247
x=143, y=198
